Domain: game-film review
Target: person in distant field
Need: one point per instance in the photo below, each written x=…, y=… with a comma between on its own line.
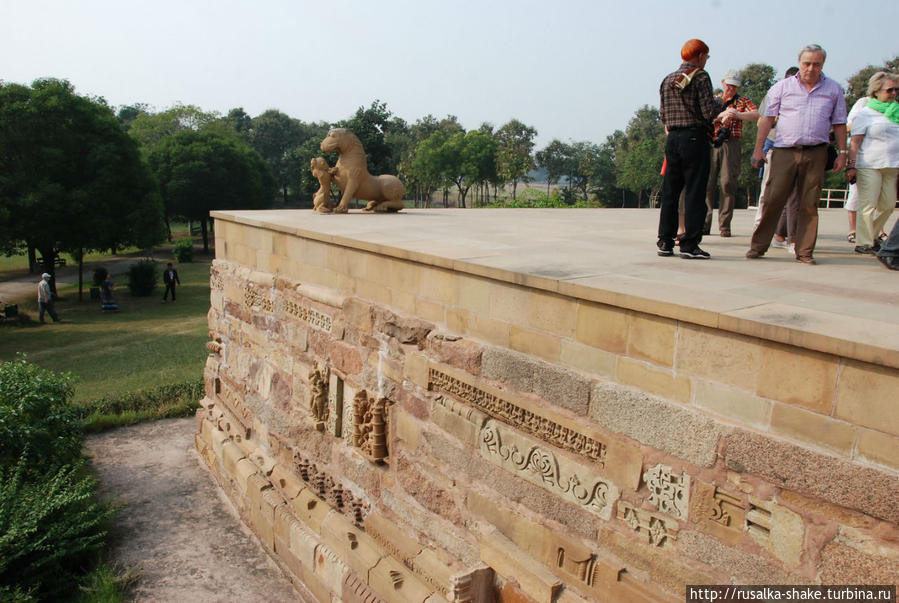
x=170, y=278
x=45, y=298
x=726, y=142
x=687, y=108
x=806, y=107
x=107, y=302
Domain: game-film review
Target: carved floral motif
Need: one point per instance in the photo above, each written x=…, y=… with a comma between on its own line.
x=658, y=530
x=666, y=491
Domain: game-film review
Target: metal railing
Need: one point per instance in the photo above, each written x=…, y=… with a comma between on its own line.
x=833, y=195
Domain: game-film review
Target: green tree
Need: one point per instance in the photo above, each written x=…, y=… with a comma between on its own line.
x=514, y=154
x=757, y=80
x=640, y=153
x=72, y=179
x=274, y=134
x=202, y=171
x=858, y=82
x=371, y=126
x=554, y=158
x=150, y=129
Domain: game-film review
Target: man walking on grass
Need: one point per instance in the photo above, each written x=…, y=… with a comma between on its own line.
x=45, y=298
x=170, y=278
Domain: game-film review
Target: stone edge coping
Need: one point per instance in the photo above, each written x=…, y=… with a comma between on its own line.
x=865, y=340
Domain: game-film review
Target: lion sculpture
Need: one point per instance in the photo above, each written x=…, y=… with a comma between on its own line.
x=383, y=193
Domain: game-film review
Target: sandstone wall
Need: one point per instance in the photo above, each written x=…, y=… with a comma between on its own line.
x=401, y=429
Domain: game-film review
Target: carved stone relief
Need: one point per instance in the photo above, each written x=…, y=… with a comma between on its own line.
x=522, y=418
x=215, y=346
x=254, y=299
x=370, y=426
x=535, y=463
x=318, y=396
x=338, y=497
x=216, y=281
x=669, y=493
x=717, y=512
x=313, y=318
x=659, y=531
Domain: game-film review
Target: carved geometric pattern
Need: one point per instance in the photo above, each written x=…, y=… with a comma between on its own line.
x=657, y=529
x=313, y=318
x=536, y=461
x=318, y=396
x=370, y=426
x=666, y=491
x=717, y=505
x=254, y=299
x=338, y=497
x=547, y=430
x=217, y=282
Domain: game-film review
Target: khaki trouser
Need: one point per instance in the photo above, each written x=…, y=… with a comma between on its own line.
x=726, y=168
x=876, y=201
x=805, y=167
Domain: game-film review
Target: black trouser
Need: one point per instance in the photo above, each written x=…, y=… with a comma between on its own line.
x=169, y=287
x=687, y=155
x=48, y=308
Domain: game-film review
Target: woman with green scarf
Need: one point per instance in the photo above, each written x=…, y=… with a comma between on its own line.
x=874, y=159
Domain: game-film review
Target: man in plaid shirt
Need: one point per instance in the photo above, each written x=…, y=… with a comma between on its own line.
x=687, y=109
x=726, y=152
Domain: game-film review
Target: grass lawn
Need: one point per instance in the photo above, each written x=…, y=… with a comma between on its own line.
x=146, y=344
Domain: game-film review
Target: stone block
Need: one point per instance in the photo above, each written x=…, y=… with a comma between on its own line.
x=651, y=338
x=654, y=422
x=357, y=590
x=437, y=284
x=356, y=548
x=359, y=314
x=535, y=343
x=303, y=543
x=740, y=567
x=552, y=313
x=217, y=438
x=554, y=384
x=867, y=396
x=717, y=512
x=509, y=302
x=731, y=403
x=407, y=428
x=497, y=332
x=813, y=428
x=787, y=538
x=510, y=562
x=878, y=447
x=434, y=570
x=458, y=419
x=589, y=359
x=393, y=581
x=524, y=533
x=429, y=310
x=330, y=569
x=836, y=480
x=392, y=537
x=415, y=369
x=654, y=380
x=796, y=376
x=310, y=509
x=457, y=321
x=243, y=470
x=603, y=327
x=719, y=356
x=472, y=293
x=844, y=564
x=373, y=291
x=451, y=349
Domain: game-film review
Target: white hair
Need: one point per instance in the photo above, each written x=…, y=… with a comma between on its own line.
x=812, y=48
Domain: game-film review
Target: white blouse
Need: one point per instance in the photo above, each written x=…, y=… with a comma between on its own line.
x=880, y=145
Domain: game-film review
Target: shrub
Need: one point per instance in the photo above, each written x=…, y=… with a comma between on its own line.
x=142, y=277
x=50, y=527
x=35, y=414
x=100, y=276
x=184, y=251
x=174, y=400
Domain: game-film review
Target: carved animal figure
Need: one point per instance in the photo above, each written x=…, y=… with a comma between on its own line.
x=383, y=193
x=321, y=202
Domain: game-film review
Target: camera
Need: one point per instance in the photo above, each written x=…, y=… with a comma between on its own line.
x=723, y=134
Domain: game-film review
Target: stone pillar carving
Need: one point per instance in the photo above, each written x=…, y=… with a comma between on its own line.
x=370, y=426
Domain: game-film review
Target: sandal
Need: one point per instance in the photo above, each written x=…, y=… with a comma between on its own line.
x=883, y=236
x=851, y=237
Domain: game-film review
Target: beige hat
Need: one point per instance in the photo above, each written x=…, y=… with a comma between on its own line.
x=733, y=78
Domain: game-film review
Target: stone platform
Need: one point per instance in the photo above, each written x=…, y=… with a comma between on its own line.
x=530, y=404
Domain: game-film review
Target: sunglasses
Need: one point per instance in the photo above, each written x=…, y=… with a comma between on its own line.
x=890, y=90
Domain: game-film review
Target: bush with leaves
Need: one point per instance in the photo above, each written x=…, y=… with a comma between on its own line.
x=50, y=526
x=184, y=251
x=142, y=277
x=36, y=414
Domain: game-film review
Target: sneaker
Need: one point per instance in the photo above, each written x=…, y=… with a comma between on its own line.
x=889, y=261
x=666, y=248
x=865, y=249
x=806, y=259
x=779, y=244
x=793, y=248
x=695, y=254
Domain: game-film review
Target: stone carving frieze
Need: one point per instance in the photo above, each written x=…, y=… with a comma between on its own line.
x=668, y=492
x=504, y=410
x=370, y=416
x=537, y=464
x=658, y=531
x=338, y=497
x=253, y=299
x=314, y=318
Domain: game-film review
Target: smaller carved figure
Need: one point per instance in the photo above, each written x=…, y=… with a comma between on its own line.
x=321, y=202
x=318, y=399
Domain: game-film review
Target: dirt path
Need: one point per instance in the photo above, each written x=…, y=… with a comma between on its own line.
x=178, y=527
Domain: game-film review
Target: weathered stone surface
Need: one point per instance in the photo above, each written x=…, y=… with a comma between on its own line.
x=455, y=351
x=833, y=479
x=534, y=580
x=404, y=329
x=842, y=564
x=395, y=582
x=554, y=384
x=671, y=428
x=740, y=567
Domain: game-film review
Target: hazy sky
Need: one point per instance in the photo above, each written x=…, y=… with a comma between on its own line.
x=574, y=70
